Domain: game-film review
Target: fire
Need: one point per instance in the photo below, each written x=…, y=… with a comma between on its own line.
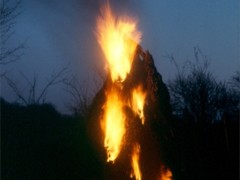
x=135, y=163
x=118, y=39
x=113, y=125
x=138, y=99
x=166, y=174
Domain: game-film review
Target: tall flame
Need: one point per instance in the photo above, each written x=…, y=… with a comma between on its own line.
x=113, y=125
x=138, y=99
x=135, y=163
x=118, y=39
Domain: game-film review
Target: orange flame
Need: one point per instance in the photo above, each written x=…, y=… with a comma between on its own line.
x=135, y=163
x=113, y=125
x=118, y=39
x=166, y=174
x=138, y=99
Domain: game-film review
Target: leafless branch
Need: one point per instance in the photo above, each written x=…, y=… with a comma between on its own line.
x=15, y=89
x=32, y=97
x=81, y=96
x=9, y=11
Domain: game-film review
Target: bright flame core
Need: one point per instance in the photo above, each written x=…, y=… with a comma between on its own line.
x=138, y=99
x=118, y=39
x=135, y=163
x=113, y=125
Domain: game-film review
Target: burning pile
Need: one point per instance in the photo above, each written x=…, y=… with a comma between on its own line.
x=130, y=104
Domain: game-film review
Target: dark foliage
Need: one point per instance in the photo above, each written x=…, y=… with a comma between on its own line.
x=39, y=143
x=205, y=152
x=206, y=123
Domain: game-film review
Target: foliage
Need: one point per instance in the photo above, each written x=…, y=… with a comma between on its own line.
x=37, y=142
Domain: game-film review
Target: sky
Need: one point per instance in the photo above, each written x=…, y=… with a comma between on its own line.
x=62, y=32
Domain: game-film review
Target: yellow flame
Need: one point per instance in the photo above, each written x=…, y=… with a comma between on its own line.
x=138, y=99
x=118, y=39
x=135, y=163
x=113, y=125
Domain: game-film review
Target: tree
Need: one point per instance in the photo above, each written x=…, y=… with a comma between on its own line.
x=197, y=95
x=33, y=97
x=80, y=95
x=9, y=11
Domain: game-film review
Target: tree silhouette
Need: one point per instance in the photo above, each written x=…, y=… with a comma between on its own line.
x=33, y=97
x=197, y=96
x=9, y=11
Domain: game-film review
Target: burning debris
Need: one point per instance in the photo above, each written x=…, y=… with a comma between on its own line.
x=129, y=114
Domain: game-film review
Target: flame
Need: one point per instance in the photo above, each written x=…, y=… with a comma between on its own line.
x=118, y=39
x=138, y=99
x=135, y=163
x=166, y=175
x=113, y=125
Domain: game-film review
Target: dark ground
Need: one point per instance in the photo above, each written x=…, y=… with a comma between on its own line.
x=37, y=142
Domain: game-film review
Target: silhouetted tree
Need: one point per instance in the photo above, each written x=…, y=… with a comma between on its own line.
x=33, y=97
x=81, y=96
x=9, y=11
x=197, y=96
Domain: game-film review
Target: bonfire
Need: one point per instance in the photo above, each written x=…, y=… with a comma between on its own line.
x=131, y=105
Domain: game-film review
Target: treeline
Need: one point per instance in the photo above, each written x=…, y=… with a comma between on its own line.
x=37, y=142
x=205, y=122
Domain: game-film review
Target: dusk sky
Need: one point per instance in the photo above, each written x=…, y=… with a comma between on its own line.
x=63, y=32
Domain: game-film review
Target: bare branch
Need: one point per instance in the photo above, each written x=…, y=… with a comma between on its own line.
x=15, y=89
x=81, y=97
x=9, y=11
x=31, y=87
x=55, y=79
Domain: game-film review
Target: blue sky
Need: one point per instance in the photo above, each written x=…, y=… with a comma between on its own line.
x=62, y=32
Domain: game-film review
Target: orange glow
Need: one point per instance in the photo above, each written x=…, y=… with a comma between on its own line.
x=166, y=175
x=135, y=163
x=138, y=99
x=113, y=124
x=118, y=38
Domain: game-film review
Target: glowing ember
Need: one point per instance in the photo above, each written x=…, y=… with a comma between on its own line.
x=113, y=125
x=135, y=163
x=118, y=39
x=138, y=98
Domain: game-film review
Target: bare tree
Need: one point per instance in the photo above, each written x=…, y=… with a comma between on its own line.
x=197, y=95
x=235, y=81
x=81, y=94
x=9, y=11
x=33, y=97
